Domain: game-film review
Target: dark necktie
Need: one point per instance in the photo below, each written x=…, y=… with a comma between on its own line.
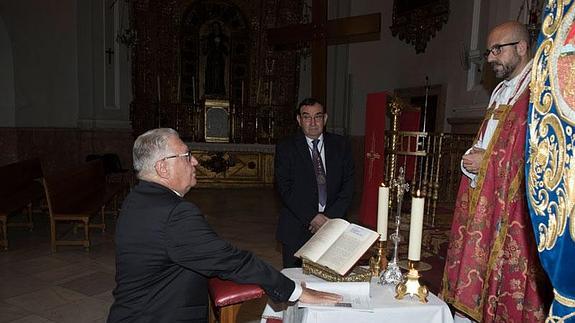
x=319, y=173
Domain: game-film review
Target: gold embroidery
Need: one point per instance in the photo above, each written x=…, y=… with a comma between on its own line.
x=539, y=73
x=501, y=111
x=552, y=318
x=551, y=22
x=551, y=170
x=563, y=300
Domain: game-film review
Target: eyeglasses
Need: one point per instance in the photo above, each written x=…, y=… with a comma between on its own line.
x=496, y=49
x=188, y=156
x=317, y=118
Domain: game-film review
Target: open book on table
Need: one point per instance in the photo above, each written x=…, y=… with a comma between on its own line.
x=338, y=245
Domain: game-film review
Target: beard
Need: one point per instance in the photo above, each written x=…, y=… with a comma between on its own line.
x=504, y=70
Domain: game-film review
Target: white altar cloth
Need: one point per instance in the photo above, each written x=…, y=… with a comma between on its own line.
x=386, y=307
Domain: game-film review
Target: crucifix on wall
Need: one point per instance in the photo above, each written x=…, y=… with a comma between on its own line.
x=321, y=32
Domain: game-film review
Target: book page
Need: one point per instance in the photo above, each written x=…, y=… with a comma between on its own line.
x=355, y=295
x=322, y=239
x=348, y=248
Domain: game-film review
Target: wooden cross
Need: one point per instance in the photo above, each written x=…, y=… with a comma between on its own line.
x=109, y=53
x=322, y=32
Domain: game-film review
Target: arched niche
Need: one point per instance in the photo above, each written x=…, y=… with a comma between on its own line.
x=215, y=52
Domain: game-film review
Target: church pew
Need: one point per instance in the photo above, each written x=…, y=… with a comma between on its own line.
x=77, y=196
x=21, y=188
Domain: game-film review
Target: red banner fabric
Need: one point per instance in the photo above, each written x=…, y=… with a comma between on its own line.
x=373, y=171
x=408, y=121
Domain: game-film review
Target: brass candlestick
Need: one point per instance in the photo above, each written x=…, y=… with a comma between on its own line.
x=411, y=286
x=378, y=261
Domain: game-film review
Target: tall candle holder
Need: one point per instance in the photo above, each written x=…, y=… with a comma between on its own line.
x=411, y=286
x=379, y=259
x=392, y=274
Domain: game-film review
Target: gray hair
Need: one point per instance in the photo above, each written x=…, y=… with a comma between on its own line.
x=150, y=147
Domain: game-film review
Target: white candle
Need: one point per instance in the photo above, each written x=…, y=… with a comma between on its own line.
x=382, y=209
x=158, y=79
x=416, y=227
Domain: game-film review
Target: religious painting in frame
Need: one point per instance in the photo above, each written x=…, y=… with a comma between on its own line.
x=416, y=21
x=217, y=120
x=550, y=154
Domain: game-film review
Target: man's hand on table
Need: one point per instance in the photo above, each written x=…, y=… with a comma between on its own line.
x=312, y=296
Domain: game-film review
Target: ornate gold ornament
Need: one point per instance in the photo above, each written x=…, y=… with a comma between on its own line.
x=551, y=172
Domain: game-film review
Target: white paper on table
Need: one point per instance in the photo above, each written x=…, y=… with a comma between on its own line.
x=355, y=295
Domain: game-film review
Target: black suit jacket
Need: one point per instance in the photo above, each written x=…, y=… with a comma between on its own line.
x=297, y=185
x=166, y=251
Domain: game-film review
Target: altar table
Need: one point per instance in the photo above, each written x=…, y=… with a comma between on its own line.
x=229, y=165
x=385, y=307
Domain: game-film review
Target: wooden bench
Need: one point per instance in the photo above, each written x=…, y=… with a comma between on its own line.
x=21, y=186
x=77, y=196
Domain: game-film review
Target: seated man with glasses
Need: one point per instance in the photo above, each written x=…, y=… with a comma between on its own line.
x=314, y=177
x=492, y=272
x=166, y=251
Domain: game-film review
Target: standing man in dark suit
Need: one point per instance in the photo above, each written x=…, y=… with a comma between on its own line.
x=314, y=177
x=165, y=249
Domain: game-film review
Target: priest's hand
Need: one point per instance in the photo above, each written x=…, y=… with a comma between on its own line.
x=472, y=160
x=312, y=296
x=318, y=221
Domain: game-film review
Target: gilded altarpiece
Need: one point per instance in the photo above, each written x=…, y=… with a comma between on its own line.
x=550, y=159
x=190, y=51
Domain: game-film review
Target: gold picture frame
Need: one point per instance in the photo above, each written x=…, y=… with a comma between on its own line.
x=217, y=120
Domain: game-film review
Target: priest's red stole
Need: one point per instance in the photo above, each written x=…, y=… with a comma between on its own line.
x=373, y=171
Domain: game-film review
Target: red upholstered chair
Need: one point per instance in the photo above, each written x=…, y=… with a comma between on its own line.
x=226, y=298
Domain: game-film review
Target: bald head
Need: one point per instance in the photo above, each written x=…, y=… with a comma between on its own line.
x=511, y=30
x=509, y=49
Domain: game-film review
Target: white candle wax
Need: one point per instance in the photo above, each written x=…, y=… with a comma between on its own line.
x=382, y=209
x=416, y=228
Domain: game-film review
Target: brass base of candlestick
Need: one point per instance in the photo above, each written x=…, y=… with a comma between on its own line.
x=378, y=261
x=419, y=265
x=411, y=286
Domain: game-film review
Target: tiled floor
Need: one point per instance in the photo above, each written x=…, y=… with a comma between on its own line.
x=75, y=286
